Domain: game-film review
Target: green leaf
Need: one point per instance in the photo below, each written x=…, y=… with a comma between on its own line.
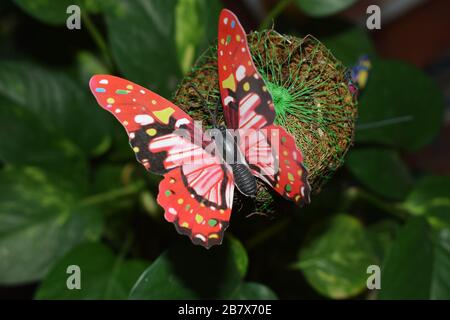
x=194, y=27
x=253, y=291
x=336, y=258
x=103, y=275
x=401, y=106
x=381, y=170
x=88, y=65
x=350, y=44
x=430, y=196
x=148, y=202
x=97, y=6
x=239, y=255
x=47, y=11
x=321, y=8
x=39, y=222
x=156, y=59
x=145, y=50
x=418, y=264
x=382, y=235
x=108, y=179
x=191, y=272
x=24, y=140
x=58, y=102
x=440, y=286
x=55, y=12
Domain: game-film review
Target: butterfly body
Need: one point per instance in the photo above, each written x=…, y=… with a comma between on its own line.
x=244, y=180
x=231, y=154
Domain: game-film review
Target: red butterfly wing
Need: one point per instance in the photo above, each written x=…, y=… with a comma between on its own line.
x=273, y=157
x=166, y=142
x=248, y=106
x=203, y=217
x=246, y=101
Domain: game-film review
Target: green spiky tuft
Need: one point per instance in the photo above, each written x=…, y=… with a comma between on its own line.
x=282, y=99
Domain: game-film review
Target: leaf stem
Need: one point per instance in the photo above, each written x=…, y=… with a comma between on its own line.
x=98, y=39
x=113, y=194
x=117, y=265
x=267, y=233
x=273, y=14
x=354, y=194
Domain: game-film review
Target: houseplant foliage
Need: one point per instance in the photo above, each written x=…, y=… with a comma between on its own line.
x=70, y=189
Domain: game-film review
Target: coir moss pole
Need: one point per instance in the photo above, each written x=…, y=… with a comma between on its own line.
x=311, y=97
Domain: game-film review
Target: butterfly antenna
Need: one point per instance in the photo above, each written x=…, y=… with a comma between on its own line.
x=205, y=105
x=258, y=213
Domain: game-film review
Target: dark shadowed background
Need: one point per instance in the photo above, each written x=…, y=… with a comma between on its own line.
x=71, y=192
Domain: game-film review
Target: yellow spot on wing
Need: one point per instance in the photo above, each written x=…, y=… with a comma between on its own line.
x=363, y=79
x=110, y=100
x=164, y=115
x=229, y=83
x=198, y=218
x=151, y=132
x=246, y=86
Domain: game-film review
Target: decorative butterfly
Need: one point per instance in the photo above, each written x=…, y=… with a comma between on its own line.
x=358, y=75
x=198, y=185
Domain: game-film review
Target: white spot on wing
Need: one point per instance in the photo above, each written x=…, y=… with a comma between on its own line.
x=240, y=73
x=201, y=237
x=227, y=100
x=180, y=122
x=143, y=119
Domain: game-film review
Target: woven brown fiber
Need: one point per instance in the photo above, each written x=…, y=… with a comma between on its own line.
x=311, y=98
